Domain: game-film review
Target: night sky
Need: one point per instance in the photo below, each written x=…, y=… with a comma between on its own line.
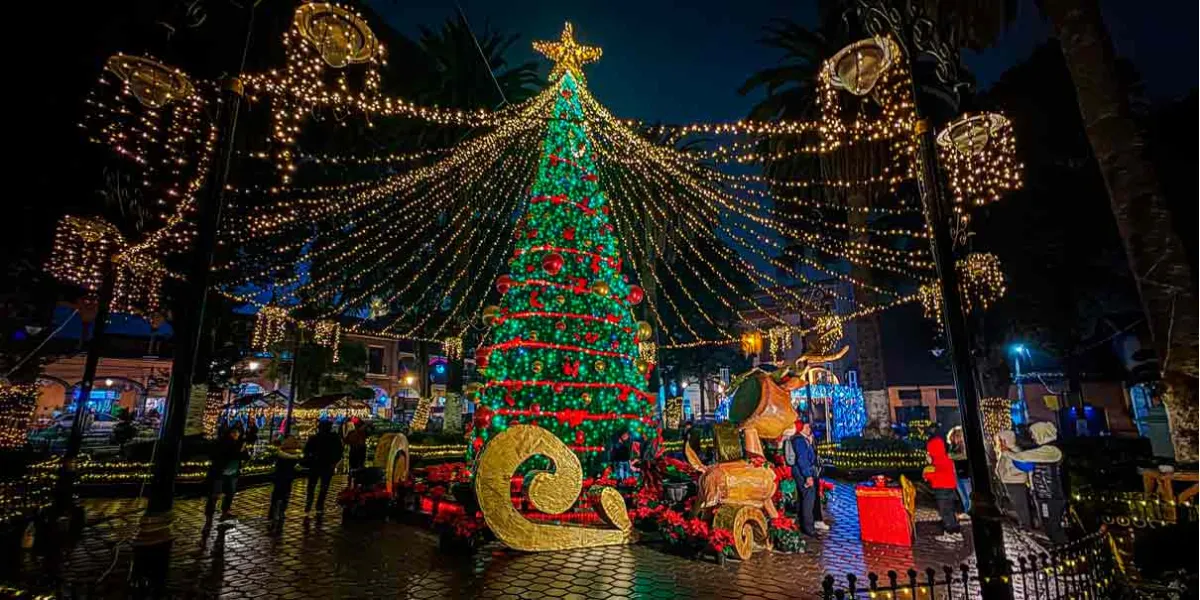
x=683, y=61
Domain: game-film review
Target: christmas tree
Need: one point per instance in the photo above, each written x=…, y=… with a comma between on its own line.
x=564, y=344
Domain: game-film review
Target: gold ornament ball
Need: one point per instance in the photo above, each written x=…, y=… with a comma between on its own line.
x=600, y=366
x=538, y=366
x=533, y=336
x=471, y=388
x=586, y=397
x=491, y=315
x=641, y=365
x=600, y=287
x=644, y=331
x=561, y=299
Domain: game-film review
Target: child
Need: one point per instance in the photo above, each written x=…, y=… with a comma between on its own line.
x=944, y=481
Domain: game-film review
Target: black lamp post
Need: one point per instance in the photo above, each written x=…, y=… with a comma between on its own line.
x=918, y=36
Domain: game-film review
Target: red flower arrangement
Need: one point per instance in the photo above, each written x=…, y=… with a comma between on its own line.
x=670, y=518
x=460, y=525
x=782, y=472
x=354, y=496
x=448, y=473
x=689, y=503
x=420, y=487
x=696, y=528
x=784, y=523
x=721, y=541
x=437, y=492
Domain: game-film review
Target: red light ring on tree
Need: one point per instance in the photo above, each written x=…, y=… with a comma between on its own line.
x=572, y=384
x=519, y=343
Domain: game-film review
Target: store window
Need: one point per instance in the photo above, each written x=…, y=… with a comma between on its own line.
x=375, y=364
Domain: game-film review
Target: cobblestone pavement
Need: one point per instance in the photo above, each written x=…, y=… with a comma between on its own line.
x=325, y=558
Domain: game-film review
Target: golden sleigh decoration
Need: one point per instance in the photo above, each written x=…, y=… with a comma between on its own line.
x=549, y=492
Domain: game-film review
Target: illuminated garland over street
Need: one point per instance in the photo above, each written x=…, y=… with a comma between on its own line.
x=427, y=231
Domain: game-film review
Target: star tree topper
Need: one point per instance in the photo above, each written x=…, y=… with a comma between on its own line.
x=568, y=56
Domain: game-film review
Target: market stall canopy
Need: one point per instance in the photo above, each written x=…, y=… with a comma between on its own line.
x=335, y=402
x=270, y=399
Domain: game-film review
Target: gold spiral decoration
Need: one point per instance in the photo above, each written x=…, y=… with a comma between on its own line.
x=551, y=493
x=748, y=526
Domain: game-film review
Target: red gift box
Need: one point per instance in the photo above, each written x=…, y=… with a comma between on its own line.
x=882, y=517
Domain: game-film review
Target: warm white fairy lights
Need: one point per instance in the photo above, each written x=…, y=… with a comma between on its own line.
x=675, y=212
x=328, y=334
x=270, y=325
x=82, y=250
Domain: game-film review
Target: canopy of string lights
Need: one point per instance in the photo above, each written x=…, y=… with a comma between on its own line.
x=794, y=225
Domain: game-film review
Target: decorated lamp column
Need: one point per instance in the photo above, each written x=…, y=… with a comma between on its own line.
x=902, y=34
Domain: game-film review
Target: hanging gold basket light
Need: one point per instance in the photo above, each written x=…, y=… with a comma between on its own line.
x=269, y=327
x=859, y=66
x=138, y=285
x=980, y=283
x=980, y=156
x=341, y=37
x=830, y=331
x=151, y=82
x=328, y=334
x=81, y=248
x=981, y=279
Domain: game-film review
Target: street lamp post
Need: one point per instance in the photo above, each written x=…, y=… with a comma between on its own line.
x=155, y=536
x=919, y=36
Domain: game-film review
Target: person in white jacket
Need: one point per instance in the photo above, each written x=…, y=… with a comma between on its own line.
x=1044, y=464
x=1015, y=481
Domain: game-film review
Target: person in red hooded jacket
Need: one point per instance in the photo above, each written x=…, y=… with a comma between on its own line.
x=944, y=481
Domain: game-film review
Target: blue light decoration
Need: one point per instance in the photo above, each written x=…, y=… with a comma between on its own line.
x=722, y=413
x=439, y=368
x=848, y=409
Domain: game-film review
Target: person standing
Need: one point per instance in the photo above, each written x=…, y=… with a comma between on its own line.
x=957, y=448
x=818, y=511
x=1015, y=481
x=223, y=468
x=1044, y=464
x=321, y=454
x=251, y=435
x=356, y=441
x=287, y=456
x=942, y=479
x=805, y=475
x=621, y=455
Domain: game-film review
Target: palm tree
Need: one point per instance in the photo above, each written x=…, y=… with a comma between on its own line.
x=467, y=74
x=1156, y=254
x=791, y=94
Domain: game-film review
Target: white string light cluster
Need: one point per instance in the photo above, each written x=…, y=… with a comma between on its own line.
x=413, y=247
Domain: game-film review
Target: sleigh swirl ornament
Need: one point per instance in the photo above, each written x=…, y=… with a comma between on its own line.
x=549, y=492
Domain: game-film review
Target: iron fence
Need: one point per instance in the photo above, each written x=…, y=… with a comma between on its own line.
x=1081, y=569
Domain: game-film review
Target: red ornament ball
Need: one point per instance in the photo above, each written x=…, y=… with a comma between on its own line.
x=636, y=294
x=503, y=284
x=483, y=417
x=552, y=263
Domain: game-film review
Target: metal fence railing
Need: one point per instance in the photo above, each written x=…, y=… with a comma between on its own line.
x=1082, y=569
